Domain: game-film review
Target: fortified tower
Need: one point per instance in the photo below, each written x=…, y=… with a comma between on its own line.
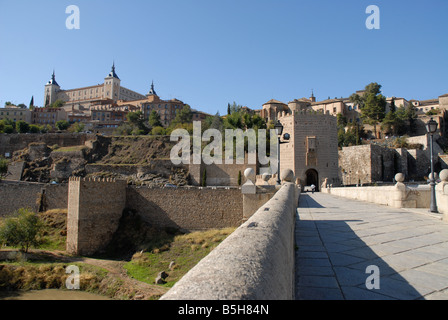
x=312, y=151
x=112, y=85
x=95, y=207
x=51, y=90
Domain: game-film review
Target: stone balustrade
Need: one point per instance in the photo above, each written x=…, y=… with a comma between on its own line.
x=400, y=195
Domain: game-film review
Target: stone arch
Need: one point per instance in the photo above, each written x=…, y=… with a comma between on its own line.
x=312, y=177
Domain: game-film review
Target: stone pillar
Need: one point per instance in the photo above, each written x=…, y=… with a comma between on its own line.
x=254, y=196
x=400, y=194
x=442, y=194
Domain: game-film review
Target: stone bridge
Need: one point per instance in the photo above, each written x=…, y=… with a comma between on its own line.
x=327, y=247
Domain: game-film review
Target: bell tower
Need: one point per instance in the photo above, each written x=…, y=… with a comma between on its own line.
x=112, y=85
x=51, y=90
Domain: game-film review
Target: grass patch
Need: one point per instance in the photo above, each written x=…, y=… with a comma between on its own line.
x=55, y=229
x=69, y=149
x=185, y=250
x=37, y=276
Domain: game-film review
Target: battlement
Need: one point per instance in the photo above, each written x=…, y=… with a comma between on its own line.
x=75, y=179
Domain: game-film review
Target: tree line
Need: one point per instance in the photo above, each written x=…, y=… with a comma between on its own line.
x=398, y=121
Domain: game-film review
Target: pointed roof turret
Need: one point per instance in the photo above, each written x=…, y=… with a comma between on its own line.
x=152, y=91
x=112, y=73
x=53, y=80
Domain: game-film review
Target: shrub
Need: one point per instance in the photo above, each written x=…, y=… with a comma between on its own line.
x=3, y=166
x=22, y=229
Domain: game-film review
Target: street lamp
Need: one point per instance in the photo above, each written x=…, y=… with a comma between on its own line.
x=431, y=128
x=279, y=130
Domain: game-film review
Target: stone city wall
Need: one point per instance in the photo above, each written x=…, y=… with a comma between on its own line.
x=187, y=208
x=35, y=196
x=219, y=174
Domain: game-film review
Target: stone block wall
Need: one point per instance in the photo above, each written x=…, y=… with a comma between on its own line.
x=94, y=210
x=219, y=174
x=187, y=208
x=16, y=195
x=299, y=155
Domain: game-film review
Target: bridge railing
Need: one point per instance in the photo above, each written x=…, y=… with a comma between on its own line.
x=256, y=262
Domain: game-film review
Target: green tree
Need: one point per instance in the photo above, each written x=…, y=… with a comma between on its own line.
x=57, y=104
x=158, y=131
x=154, y=119
x=123, y=130
x=77, y=127
x=34, y=128
x=372, y=104
x=62, y=125
x=22, y=229
x=8, y=129
x=184, y=115
x=22, y=126
x=45, y=128
x=214, y=122
x=341, y=121
x=8, y=103
x=234, y=121
x=3, y=166
x=8, y=122
x=137, y=122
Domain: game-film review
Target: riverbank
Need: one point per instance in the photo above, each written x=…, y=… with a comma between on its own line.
x=50, y=294
x=43, y=270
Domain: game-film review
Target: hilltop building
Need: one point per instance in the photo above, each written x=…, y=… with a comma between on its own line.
x=83, y=98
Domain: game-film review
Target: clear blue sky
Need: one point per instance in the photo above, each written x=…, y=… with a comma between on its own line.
x=211, y=52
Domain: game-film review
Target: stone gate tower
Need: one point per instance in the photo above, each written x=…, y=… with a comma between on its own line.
x=312, y=151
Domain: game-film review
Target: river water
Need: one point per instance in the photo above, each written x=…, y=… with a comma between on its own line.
x=50, y=294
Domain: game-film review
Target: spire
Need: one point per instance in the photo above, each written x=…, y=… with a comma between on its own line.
x=312, y=98
x=152, y=91
x=112, y=73
x=53, y=79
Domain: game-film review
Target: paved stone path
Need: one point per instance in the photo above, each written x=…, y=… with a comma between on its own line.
x=337, y=239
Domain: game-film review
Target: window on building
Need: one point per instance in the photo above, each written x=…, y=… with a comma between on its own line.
x=311, y=144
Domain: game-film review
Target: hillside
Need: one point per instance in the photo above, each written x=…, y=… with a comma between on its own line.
x=139, y=160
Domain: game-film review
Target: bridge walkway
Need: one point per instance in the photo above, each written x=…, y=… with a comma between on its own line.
x=337, y=239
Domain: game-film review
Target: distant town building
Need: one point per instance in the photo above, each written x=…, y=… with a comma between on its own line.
x=272, y=109
x=43, y=116
x=167, y=109
x=15, y=113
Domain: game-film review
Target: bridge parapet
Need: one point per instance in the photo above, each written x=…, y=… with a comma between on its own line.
x=256, y=262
